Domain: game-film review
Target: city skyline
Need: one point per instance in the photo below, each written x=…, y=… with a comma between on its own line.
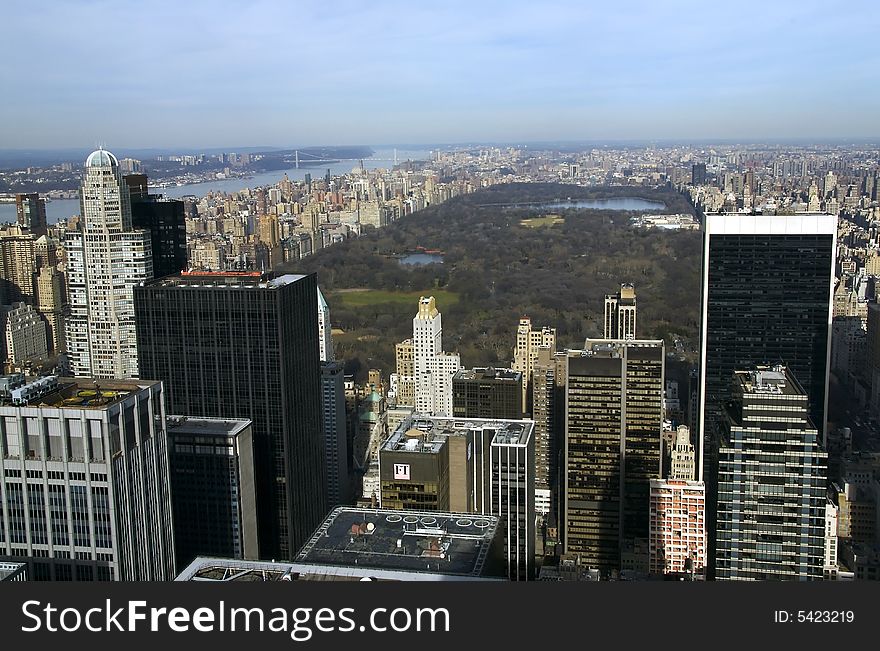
x=457, y=73
x=221, y=320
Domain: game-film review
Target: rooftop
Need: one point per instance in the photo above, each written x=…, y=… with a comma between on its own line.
x=428, y=434
x=206, y=426
x=443, y=544
x=488, y=373
x=101, y=158
x=247, y=279
x=769, y=380
x=230, y=569
x=86, y=393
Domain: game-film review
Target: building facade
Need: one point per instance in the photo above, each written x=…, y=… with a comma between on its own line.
x=211, y=465
x=335, y=435
x=325, y=340
x=30, y=212
x=165, y=221
x=85, y=482
x=245, y=345
x=51, y=305
x=476, y=466
x=620, y=313
x=528, y=343
x=17, y=266
x=677, y=544
x=772, y=478
x=424, y=371
x=106, y=258
x=548, y=412
x=768, y=282
x=613, y=425
x=487, y=392
x=25, y=334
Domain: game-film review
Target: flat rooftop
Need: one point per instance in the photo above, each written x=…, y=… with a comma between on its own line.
x=451, y=544
x=234, y=570
x=206, y=426
x=88, y=393
x=613, y=347
x=242, y=279
x=766, y=380
x=428, y=434
x=488, y=373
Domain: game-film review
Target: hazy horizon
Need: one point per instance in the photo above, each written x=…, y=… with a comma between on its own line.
x=203, y=74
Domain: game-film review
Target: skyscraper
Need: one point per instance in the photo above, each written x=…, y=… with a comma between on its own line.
x=17, y=266
x=30, y=211
x=85, y=486
x=620, y=313
x=245, y=345
x=768, y=282
x=106, y=258
x=325, y=341
x=548, y=412
x=771, y=482
x=432, y=368
x=50, y=303
x=335, y=435
x=528, y=343
x=165, y=221
x=613, y=423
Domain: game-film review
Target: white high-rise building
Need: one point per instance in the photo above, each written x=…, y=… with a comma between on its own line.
x=424, y=371
x=832, y=513
x=325, y=341
x=427, y=334
x=106, y=258
x=434, y=386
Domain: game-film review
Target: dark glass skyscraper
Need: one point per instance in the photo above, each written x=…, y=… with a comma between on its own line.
x=613, y=423
x=245, y=345
x=30, y=211
x=165, y=221
x=767, y=288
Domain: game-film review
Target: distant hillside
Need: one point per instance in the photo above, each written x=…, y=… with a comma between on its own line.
x=497, y=267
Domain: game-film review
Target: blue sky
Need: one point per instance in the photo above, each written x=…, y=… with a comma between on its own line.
x=259, y=72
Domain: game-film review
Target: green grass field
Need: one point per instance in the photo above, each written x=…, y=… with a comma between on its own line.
x=362, y=298
x=542, y=221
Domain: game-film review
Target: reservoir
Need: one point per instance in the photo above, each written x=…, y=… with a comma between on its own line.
x=616, y=203
x=421, y=258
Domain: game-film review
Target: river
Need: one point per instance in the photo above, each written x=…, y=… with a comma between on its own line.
x=60, y=209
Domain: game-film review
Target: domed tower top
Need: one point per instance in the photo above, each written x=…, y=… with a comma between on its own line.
x=101, y=158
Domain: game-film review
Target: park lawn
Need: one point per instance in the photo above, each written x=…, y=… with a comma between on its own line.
x=542, y=221
x=364, y=298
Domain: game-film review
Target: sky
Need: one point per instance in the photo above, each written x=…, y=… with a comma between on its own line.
x=189, y=74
